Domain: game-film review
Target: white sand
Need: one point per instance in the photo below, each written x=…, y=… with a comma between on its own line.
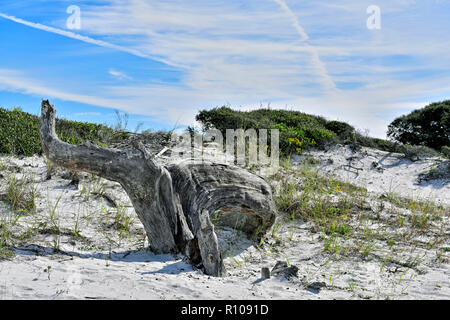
x=103, y=264
x=396, y=174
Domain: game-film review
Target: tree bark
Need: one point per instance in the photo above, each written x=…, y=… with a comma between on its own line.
x=174, y=203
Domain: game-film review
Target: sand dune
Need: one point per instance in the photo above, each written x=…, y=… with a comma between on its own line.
x=85, y=241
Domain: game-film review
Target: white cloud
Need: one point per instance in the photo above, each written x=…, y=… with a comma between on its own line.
x=13, y=80
x=79, y=37
x=320, y=67
x=120, y=75
x=87, y=114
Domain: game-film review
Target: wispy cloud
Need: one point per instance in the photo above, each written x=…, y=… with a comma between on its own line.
x=315, y=59
x=87, y=114
x=294, y=19
x=73, y=35
x=14, y=80
x=120, y=75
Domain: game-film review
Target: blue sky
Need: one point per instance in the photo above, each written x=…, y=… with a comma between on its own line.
x=162, y=61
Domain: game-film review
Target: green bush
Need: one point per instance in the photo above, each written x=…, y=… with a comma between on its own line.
x=342, y=129
x=299, y=130
x=429, y=126
x=19, y=132
x=296, y=128
x=446, y=151
x=359, y=140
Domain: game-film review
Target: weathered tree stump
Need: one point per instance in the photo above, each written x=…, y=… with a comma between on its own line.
x=174, y=203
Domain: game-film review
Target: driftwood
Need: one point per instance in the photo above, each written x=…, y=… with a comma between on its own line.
x=174, y=203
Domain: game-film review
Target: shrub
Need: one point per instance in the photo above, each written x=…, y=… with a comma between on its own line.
x=359, y=140
x=342, y=129
x=415, y=153
x=429, y=126
x=297, y=130
x=446, y=151
x=19, y=132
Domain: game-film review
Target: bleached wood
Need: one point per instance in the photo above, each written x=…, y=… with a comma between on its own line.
x=175, y=203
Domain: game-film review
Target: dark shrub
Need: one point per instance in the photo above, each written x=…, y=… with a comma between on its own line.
x=19, y=132
x=446, y=151
x=297, y=130
x=341, y=129
x=429, y=126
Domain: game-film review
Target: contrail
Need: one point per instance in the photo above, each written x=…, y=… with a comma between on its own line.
x=316, y=62
x=86, y=39
x=296, y=23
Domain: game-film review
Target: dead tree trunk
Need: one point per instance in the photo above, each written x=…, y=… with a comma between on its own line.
x=175, y=203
